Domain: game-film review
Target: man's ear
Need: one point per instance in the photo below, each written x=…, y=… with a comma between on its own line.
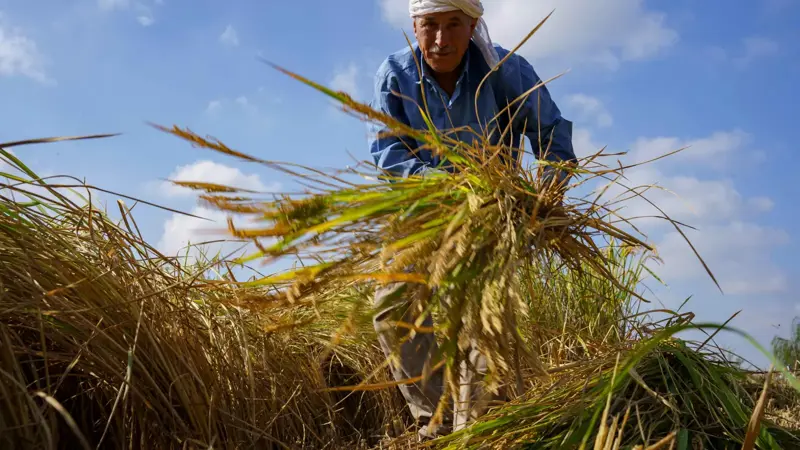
x=473, y=23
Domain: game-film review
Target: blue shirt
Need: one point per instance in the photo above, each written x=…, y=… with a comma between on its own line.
x=401, y=156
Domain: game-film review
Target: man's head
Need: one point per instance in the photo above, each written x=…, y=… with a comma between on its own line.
x=444, y=38
x=444, y=29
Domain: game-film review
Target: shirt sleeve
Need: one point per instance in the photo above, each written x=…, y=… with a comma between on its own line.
x=391, y=153
x=550, y=133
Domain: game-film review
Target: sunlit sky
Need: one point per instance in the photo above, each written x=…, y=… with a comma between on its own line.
x=643, y=76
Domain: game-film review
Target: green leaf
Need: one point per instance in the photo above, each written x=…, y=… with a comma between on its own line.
x=683, y=439
x=408, y=240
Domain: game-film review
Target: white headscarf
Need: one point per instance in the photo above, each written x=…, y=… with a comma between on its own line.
x=472, y=8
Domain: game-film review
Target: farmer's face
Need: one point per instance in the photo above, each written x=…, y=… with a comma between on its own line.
x=444, y=38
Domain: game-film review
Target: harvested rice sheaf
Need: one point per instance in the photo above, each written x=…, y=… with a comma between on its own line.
x=465, y=233
x=663, y=389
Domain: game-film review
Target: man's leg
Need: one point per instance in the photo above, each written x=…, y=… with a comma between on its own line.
x=394, y=304
x=473, y=399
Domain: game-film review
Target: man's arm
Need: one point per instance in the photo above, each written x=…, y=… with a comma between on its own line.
x=391, y=153
x=550, y=134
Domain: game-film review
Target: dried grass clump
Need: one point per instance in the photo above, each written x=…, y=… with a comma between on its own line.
x=105, y=343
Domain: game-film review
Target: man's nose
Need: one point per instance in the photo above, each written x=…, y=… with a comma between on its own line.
x=442, y=38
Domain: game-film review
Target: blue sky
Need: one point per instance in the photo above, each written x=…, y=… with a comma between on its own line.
x=645, y=77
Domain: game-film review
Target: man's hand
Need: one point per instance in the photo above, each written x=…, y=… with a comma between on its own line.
x=554, y=183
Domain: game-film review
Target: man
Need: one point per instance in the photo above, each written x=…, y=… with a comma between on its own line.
x=455, y=53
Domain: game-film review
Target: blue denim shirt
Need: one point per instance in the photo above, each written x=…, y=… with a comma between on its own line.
x=400, y=156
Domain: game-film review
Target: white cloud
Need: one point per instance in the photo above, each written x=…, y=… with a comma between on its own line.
x=713, y=150
x=242, y=100
x=144, y=13
x=182, y=233
x=684, y=198
x=761, y=204
x=738, y=250
x=213, y=106
x=229, y=36
x=19, y=55
x=589, y=108
x=738, y=254
x=145, y=20
x=346, y=79
x=79, y=196
x=582, y=143
x=110, y=5
x=752, y=49
x=396, y=12
x=181, y=230
x=244, y=103
x=756, y=47
x=673, y=183
x=211, y=172
x=606, y=33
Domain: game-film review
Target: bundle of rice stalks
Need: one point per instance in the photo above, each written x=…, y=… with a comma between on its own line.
x=663, y=393
x=463, y=233
x=106, y=343
x=784, y=402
